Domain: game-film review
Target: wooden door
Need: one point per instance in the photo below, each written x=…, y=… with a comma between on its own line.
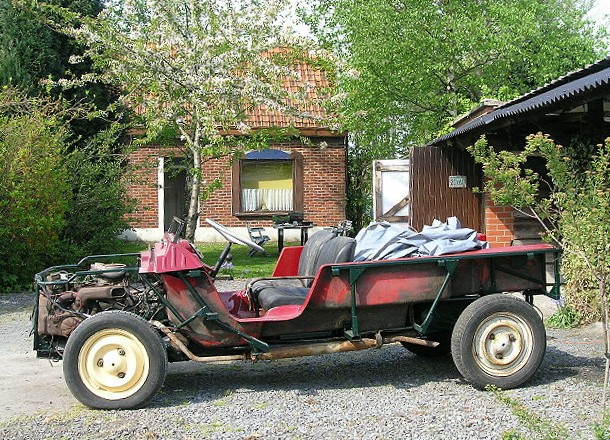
x=174, y=190
x=442, y=184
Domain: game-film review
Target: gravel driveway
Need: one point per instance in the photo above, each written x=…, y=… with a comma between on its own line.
x=375, y=394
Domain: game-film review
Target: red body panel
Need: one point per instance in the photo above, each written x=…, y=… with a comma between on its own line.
x=205, y=332
x=170, y=257
x=384, y=291
x=420, y=278
x=288, y=263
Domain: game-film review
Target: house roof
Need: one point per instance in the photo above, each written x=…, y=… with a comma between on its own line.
x=574, y=86
x=314, y=119
x=315, y=83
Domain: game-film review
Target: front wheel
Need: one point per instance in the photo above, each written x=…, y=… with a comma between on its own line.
x=498, y=340
x=114, y=360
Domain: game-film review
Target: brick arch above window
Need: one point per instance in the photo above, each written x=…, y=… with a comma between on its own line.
x=260, y=187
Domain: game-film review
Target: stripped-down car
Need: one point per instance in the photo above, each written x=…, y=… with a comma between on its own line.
x=116, y=325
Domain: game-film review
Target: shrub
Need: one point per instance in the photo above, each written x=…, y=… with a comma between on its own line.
x=59, y=200
x=575, y=214
x=565, y=317
x=35, y=190
x=98, y=205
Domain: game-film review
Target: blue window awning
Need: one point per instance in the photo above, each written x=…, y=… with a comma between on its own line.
x=267, y=154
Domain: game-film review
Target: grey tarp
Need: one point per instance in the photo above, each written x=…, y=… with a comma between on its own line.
x=382, y=241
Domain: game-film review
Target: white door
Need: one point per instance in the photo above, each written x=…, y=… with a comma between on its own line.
x=391, y=190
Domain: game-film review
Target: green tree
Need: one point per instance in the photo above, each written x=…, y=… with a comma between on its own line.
x=195, y=70
x=26, y=54
x=36, y=57
x=412, y=66
x=57, y=202
x=31, y=51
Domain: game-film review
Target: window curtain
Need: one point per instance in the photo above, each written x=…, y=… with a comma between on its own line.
x=266, y=199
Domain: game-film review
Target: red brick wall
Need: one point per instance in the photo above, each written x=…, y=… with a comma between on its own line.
x=143, y=186
x=324, y=185
x=499, y=223
x=323, y=182
x=218, y=207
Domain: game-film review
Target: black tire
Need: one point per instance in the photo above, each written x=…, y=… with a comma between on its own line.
x=114, y=360
x=498, y=340
x=443, y=349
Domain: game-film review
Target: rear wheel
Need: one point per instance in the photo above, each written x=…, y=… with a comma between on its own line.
x=114, y=360
x=498, y=340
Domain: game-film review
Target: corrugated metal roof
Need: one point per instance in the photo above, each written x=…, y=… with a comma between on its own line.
x=571, y=85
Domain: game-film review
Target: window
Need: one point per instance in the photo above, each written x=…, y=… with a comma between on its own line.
x=267, y=182
x=266, y=185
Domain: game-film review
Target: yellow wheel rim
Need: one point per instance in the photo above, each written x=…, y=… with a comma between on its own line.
x=113, y=364
x=503, y=344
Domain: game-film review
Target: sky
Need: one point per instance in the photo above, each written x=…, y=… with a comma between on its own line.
x=602, y=5
x=600, y=9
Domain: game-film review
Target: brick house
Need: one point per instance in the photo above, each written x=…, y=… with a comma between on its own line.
x=291, y=176
x=575, y=107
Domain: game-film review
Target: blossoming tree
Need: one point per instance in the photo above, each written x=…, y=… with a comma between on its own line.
x=197, y=68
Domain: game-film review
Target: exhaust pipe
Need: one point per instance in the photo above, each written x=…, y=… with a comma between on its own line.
x=315, y=349
x=297, y=350
x=177, y=343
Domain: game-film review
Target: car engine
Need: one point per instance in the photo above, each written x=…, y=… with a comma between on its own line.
x=65, y=300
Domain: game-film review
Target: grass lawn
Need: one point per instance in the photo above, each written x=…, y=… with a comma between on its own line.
x=244, y=266
x=258, y=265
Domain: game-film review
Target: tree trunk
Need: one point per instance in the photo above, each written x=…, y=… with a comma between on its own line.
x=453, y=110
x=193, y=212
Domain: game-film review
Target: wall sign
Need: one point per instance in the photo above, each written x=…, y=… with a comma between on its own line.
x=457, y=181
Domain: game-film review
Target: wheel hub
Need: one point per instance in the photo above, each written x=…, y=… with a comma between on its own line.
x=502, y=348
x=113, y=364
x=503, y=344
